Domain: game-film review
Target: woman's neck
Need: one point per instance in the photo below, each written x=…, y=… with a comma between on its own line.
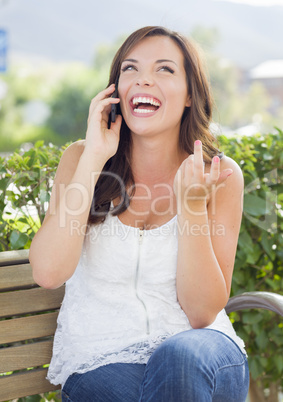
x=155, y=160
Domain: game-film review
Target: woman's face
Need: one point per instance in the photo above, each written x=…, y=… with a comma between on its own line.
x=153, y=88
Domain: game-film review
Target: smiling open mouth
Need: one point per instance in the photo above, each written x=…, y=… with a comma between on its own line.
x=145, y=104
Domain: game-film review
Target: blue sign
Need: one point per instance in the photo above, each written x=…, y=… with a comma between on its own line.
x=3, y=50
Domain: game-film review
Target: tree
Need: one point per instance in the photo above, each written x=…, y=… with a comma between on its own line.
x=105, y=53
x=69, y=103
x=236, y=102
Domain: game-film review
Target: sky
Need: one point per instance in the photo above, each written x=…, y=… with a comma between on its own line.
x=257, y=2
x=248, y=35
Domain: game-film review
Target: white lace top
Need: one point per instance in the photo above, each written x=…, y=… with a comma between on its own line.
x=121, y=302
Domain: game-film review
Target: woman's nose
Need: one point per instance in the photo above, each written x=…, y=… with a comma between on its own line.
x=144, y=80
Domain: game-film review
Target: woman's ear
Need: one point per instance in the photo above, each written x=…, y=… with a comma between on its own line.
x=189, y=101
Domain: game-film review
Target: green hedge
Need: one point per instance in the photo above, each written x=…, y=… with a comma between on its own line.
x=25, y=186
x=26, y=179
x=259, y=259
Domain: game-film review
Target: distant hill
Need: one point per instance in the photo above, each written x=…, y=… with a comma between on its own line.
x=71, y=29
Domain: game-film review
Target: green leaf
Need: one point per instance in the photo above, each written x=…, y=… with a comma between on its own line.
x=32, y=157
x=278, y=360
x=254, y=255
x=262, y=340
x=252, y=317
x=52, y=396
x=44, y=196
x=272, y=284
x=267, y=244
x=263, y=362
x=18, y=240
x=254, y=205
x=4, y=182
x=245, y=242
x=255, y=367
x=43, y=157
x=39, y=144
x=32, y=398
x=23, y=219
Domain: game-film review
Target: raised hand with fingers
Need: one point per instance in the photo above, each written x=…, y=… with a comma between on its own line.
x=192, y=185
x=102, y=141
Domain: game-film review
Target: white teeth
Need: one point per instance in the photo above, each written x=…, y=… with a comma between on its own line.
x=141, y=99
x=143, y=111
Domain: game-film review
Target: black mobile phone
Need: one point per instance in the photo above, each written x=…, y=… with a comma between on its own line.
x=114, y=108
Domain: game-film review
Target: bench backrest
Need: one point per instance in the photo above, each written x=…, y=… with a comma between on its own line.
x=28, y=315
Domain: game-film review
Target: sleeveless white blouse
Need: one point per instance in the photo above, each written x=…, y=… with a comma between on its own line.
x=121, y=301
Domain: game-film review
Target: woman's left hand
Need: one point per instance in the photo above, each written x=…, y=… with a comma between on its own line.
x=192, y=185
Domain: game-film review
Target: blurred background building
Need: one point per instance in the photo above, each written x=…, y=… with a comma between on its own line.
x=270, y=75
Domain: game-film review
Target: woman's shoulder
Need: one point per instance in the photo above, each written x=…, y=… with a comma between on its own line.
x=72, y=153
x=74, y=149
x=229, y=163
x=235, y=181
x=69, y=161
x=228, y=191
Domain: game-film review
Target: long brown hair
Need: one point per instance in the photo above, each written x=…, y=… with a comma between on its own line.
x=117, y=175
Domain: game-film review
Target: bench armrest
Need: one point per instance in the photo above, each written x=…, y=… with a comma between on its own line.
x=266, y=300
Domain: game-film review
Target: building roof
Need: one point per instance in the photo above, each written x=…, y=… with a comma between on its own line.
x=268, y=69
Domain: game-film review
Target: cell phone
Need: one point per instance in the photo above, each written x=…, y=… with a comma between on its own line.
x=114, y=110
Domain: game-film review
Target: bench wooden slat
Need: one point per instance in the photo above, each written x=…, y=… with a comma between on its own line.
x=14, y=257
x=20, y=329
x=30, y=301
x=22, y=384
x=25, y=356
x=16, y=277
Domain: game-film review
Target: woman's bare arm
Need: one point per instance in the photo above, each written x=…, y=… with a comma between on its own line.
x=208, y=236
x=56, y=248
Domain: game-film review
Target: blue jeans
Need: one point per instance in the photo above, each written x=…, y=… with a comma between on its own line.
x=197, y=365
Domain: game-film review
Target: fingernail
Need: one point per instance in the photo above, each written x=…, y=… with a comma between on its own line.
x=197, y=142
x=216, y=159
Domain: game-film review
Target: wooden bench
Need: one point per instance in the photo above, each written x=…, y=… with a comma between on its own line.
x=28, y=317
x=26, y=333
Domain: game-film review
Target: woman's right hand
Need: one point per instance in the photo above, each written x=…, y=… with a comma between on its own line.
x=101, y=141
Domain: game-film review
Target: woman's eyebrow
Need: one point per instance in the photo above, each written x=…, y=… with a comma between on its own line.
x=157, y=61
x=131, y=60
x=166, y=61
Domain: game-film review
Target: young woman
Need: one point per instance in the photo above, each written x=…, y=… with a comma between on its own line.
x=142, y=227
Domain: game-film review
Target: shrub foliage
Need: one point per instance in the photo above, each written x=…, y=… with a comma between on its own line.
x=259, y=259
x=25, y=186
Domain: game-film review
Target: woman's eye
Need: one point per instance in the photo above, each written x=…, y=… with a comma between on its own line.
x=129, y=67
x=166, y=68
